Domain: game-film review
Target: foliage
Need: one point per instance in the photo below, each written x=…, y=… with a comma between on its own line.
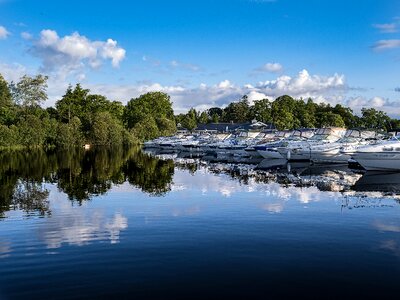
x=155, y=104
x=30, y=91
x=373, y=118
x=31, y=132
x=149, y=116
x=237, y=112
x=69, y=135
x=106, y=130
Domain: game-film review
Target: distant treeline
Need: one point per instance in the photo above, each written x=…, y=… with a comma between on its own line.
x=80, y=117
x=288, y=113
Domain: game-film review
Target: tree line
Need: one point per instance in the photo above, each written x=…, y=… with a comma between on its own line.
x=80, y=117
x=286, y=112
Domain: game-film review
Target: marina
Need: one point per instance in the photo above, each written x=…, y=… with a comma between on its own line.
x=370, y=149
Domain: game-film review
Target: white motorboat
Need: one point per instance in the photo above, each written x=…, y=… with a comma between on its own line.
x=343, y=149
x=237, y=145
x=261, y=138
x=297, y=136
x=314, y=147
x=267, y=150
x=383, y=156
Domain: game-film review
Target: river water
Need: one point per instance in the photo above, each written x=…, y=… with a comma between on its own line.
x=121, y=223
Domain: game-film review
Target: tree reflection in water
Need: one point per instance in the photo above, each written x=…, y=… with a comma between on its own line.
x=78, y=173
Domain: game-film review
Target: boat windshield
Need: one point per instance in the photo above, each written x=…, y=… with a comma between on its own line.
x=348, y=139
x=319, y=137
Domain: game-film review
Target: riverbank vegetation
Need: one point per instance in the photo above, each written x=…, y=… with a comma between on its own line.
x=80, y=117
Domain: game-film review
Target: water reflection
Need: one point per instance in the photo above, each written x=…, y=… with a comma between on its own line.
x=380, y=182
x=272, y=223
x=75, y=227
x=79, y=174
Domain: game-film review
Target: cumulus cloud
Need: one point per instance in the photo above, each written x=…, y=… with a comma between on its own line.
x=3, y=33
x=273, y=67
x=386, y=28
x=74, y=51
x=385, y=104
x=321, y=88
x=386, y=44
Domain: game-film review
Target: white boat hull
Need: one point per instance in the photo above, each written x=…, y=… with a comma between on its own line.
x=270, y=154
x=380, y=161
x=332, y=156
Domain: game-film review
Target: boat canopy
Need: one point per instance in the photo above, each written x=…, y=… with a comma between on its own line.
x=283, y=133
x=359, y=133
x=303, y=133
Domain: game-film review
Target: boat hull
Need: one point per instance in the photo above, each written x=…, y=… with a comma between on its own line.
x=270, y=153
x=378, y=161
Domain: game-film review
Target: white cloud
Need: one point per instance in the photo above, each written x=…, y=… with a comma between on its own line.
x=273, y=67
x=226, y=84
x=303, y=85
x=380, y=103
x=75, y=51
x=12, y=72
x=386, y=44
x=110, y=50
x=26, y=35
x=328, y=89
x=386, y=28
x=174, y=64
x=79, y=228
x=4, y=33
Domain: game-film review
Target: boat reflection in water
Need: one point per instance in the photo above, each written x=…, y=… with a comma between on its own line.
x=379, y=182
x=326, y=177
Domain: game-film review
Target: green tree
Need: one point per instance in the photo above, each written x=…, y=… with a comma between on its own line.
x=373, y=118
x=166, y=127
x=7, y=108
x=215, y=111
x=155, y=104
x=190, y=119
x=282, y=112
x=146, y=129
x=261, y=110
x=107, y=130
x=327, y=119
x=238, y=112
x=347, y=115
x=203, y=118
x=30, y=91
x=69, y=135
x=215, y=118
x=31, y=132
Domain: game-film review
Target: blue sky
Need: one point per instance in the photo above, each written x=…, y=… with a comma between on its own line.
x=206, y=53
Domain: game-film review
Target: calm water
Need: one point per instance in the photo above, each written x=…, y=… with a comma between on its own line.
x=123, y=223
